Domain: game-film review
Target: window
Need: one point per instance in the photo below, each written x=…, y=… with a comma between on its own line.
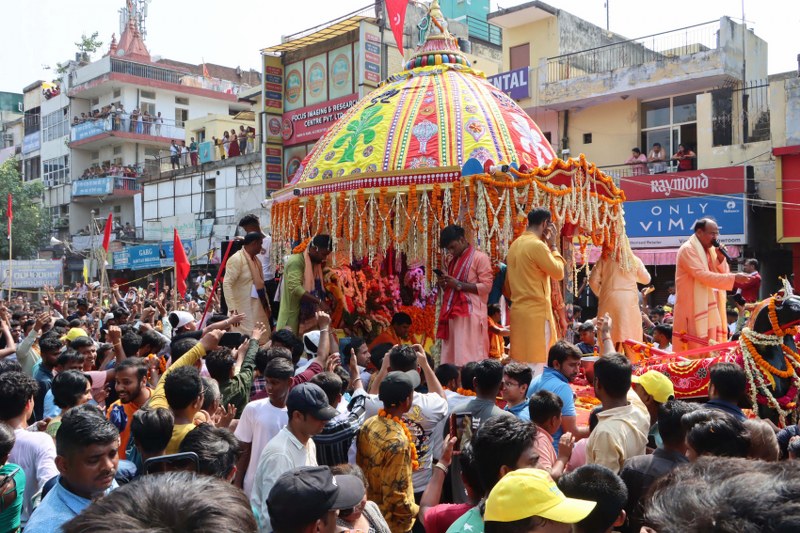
x=31, y=169
x=149, y=95
x=117, y=150
x=152, y=152
x=670, y=122
x=54, y=126
x=94, y=101
x=181, y=100
x=94, y=156
x=549, y=136
x=56, y=171
x=148, y=107
x=520, y=56
x=181, y=116
x=587, y=138
x=116, y=93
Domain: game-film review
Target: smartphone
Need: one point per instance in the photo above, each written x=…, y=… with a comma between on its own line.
x=176, y=462
x=461, y=429
x=438, y=272
x=739, y=299
x=231, y=339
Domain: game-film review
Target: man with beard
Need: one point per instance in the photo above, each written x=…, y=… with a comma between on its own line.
x=563, y=364
x=133, y=392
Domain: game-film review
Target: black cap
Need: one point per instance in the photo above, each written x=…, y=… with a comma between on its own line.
x=303, y=495
x=253, y=236
x=396, y=387
x=310, y=399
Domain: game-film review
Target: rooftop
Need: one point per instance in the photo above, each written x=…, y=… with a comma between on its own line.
x=522, y=14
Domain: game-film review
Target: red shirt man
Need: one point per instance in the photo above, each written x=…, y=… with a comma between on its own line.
x=749, y=290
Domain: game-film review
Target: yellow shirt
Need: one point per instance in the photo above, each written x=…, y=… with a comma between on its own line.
x=384, y=454
x=178, y=433
x=158, y=398
x=621, y=433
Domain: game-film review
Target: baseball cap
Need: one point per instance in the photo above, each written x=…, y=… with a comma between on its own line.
x=178, y=319
x=309, y=398
x=74, y=333
x=532, y=492
x=253, y=236
x=311, y=342
x=302, y=495
x=397, y=386
x=656, y=384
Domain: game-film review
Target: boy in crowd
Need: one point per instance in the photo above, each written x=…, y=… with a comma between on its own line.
x=597, y=484
x=516, y=380
x=545, y=411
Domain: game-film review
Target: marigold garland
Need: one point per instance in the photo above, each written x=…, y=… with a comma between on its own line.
x=764, y=365
x=300, y=248
x=466, y=392
x=414, y=456
x=773, y=319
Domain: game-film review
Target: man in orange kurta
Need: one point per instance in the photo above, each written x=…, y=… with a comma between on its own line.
x=463, y=320
x=701, y=278
x=533, y=259
x=618, y=294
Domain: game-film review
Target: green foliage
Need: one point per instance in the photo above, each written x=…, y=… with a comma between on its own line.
x=357, y=129
x=30, y=225
x=89, y=45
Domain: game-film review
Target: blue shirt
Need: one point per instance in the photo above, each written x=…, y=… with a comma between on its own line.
x=730, y=408
x=57, y=508
x=557, y=383
x=44, y=378
x=520, y=411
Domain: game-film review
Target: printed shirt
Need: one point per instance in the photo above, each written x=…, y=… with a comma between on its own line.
x=120, y=414
x=470, y=522
x=384, y=454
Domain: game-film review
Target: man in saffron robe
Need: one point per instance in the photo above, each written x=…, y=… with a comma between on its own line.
x=463, y=324
x=302, y=283
x=701, y=278
x=533, y=259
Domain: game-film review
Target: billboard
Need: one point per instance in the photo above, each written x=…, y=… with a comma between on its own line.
x=340, y=71
x=273, y=84
x=293, y=86
x=32, y=274
x=726, y=180
x=308, y=124
x=369, y=55
x=316, y=81
x=514, y=83
x=668, y=223
x=93, y=187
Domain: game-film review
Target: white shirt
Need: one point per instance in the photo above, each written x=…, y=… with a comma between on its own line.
x=427, y=412
x=35, y=453
x=259, y=423
x=671, y=300
x=283, y=453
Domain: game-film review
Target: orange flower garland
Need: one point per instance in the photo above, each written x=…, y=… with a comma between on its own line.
x=414, y=456
x=300, y=248
x=466, y=392
x=773, y=319
x=764, y=365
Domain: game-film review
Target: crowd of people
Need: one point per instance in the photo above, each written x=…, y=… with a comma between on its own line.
x=110, y=169
x=140, y=411
x=115, y=117
x=233, y=143
x=658, y=162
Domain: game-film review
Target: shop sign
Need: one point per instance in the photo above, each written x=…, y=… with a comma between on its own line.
x=514, y=83
x=668, y=223
x=310, y=123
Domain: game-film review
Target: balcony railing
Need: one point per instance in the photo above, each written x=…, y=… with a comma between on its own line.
x=484, y=31
x=634, y=52
x=152, y=72
x=105, y=186
x=125, y=124
x=207, y=153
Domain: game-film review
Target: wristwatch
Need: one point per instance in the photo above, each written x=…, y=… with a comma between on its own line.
x=458, y=285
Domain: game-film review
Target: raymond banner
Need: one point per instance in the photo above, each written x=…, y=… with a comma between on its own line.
x=725, y=180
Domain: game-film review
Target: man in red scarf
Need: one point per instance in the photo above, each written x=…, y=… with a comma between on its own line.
x=463, y=320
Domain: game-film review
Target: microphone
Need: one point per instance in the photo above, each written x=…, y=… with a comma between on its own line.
x=715, y=243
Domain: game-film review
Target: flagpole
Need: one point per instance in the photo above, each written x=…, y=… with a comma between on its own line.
x=10, y=263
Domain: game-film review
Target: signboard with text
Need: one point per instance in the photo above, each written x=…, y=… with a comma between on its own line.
x=369, y=55
x=668, y=223
x=308, y=124
x=149, y=256
x=32, y=274
x=31, y=142
x=726, y=180
x=93, y=187
x=274, y=167
x=273, y=84
x=514, y=83
x=87, y=129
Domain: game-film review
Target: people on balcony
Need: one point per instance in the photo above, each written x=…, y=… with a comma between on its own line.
x=110, y=170
x=657, y=158
x=638, y=162
x=685, y=157
x=233, y=147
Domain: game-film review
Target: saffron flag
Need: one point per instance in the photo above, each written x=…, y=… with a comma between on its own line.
x=205, y=71
x=396, y=9
x=10, y=215
x=181, y=265
x=107, y=231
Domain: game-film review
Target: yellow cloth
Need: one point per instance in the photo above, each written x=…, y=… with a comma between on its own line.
x=158, y=398
x=178, y=433
x=700, y=285
x=621, y=433
x=497, y=348
x=384, y=454
x=530, y=267
x=618, y=296
x=238, y=288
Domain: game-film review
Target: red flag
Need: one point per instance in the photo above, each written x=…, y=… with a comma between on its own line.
x=181, y=265
x=107, y=232
x=10, y=214
x=396, y=10
x=205, y=71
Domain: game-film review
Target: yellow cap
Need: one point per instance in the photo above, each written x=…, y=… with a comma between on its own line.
x=656, y=384
x=74, y=333
x=532, y=492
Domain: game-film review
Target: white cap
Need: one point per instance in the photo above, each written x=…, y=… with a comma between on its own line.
x=178, y=319
x=311, y=342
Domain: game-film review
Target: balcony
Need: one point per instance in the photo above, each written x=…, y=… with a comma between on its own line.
x=93, y=134
x=85, y=81
x=687, y=59
x=209, y=157
x=90, y=188
x=485, y=32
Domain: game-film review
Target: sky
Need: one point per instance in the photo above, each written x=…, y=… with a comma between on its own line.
x=232, y=33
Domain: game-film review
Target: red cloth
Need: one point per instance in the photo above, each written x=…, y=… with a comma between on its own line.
x=182, y=265
x=454, y=302
x=750, y=288
x=107, y=231
x=439, y=518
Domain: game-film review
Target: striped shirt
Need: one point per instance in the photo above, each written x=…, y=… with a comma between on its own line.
x=333, y=444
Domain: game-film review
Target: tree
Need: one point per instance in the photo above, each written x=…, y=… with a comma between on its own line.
x=30, y=225
x=89, y=45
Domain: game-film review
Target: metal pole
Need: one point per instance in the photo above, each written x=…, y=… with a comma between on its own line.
x=10, y=263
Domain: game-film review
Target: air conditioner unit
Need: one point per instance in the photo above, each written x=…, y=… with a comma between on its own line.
x=209, y=214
